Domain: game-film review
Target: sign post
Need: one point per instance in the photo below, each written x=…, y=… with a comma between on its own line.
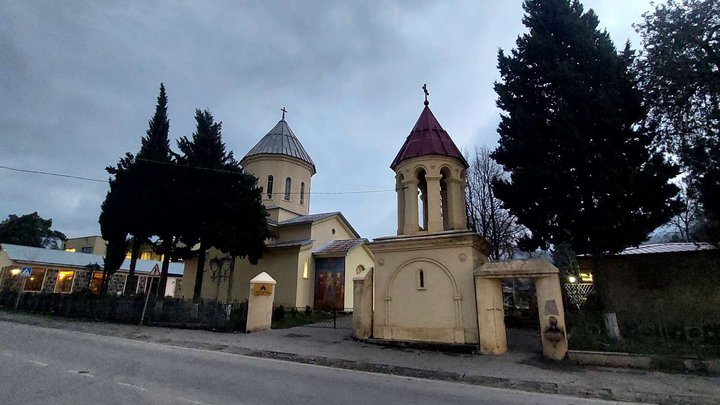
x=25, y=273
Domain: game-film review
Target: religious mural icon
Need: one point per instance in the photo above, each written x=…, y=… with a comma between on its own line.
x=330, y=283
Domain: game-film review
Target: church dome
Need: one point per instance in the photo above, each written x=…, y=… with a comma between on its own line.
x=427, y=138
x=281, y=141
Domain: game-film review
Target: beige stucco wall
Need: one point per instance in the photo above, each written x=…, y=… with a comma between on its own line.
x=360, y=255
x=444, y=310
x=285, y=265
x=281, y=167
x=295, y=232
x=95, y=242
x=363, y=310
x=305, y=285
x=322, y=231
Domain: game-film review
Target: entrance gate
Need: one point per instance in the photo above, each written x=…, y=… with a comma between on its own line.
x=491, y=314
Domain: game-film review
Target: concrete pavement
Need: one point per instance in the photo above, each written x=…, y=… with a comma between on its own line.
x=335, y=348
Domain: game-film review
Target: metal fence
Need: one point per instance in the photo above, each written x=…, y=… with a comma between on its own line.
x=335, y=320
x=148, y=310
x=578, y=293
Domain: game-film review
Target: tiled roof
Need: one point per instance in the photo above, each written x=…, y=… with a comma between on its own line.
x=339, y=247
x=667, y=248
x=427, y=138
x=306, y=219
x=281, y=141
x=289, y=243
x=60, y=258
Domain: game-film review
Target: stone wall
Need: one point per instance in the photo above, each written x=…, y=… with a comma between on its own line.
x=80, y=281
x=116, y=284
x=50, y=280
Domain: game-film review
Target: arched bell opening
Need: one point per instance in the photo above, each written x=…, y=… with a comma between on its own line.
x=422, y=199
x=445, y=209
x=400, y=189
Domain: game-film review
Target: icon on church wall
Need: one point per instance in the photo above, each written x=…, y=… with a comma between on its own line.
x=330, y=284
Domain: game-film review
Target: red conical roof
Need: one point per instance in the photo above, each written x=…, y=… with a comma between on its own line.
x=427, y=138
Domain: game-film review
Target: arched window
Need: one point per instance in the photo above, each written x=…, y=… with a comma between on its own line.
x=422, y=200
x=288, y=183
x=269, y=187
x=302, y=193
x=445, y=199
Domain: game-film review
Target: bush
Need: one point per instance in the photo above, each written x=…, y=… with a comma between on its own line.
x=278, y=313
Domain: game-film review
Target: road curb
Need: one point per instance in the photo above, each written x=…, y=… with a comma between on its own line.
x=449, y=376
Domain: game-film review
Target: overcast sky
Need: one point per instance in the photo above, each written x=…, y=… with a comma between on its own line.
x=79, y=81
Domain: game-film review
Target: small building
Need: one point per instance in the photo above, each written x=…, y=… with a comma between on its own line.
x=662, y=288
x=313, y=257
x=59, y=271
x=98, y=246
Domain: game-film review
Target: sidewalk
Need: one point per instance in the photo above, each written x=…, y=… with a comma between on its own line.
x=335, y=348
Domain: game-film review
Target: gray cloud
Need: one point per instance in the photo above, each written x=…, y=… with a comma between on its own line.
x=79, y=81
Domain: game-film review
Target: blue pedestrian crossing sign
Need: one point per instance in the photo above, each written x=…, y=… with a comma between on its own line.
x=25, y=271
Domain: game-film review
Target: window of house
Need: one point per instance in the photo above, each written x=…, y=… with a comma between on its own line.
x=95, y=283
x=69, y=249
x=302, y=193
x=288, y=183
x=64, y=282
x=305, y=268
x=86, y=249
x=269, y=186
x=35, y=281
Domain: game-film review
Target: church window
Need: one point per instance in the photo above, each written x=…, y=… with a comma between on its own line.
x=302, y=193
x=288, y=183
x=269, y=186
x=421, y=279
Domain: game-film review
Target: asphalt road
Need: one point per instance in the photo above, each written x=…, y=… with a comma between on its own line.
x=49, y=366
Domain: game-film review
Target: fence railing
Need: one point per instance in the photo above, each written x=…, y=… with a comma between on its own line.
x=174, y=312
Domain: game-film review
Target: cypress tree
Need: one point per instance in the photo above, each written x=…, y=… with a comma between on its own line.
x=223, y=203
x=581, y=168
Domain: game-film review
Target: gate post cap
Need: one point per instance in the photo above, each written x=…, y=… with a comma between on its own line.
x=263, y=278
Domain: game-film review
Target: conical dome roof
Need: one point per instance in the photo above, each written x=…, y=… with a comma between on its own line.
x=281, y=141
x=427, y=138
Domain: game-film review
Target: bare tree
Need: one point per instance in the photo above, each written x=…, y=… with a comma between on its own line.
x=485, y=211
x=687, y=220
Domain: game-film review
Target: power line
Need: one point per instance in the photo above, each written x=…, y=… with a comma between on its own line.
x=70, y=176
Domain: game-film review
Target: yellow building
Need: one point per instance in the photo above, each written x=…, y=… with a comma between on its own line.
x=314, y=257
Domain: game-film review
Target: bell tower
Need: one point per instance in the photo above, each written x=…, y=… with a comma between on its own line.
x=422, y=283
x=429, y=179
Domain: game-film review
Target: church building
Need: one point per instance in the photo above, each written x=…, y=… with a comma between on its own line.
x=314, y=256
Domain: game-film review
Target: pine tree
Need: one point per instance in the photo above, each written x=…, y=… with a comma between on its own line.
x=581, y=169
x=681, y=83
x=223, y=203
